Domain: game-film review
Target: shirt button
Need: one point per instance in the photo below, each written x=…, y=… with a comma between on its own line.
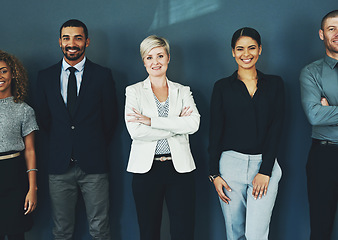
x=72, y=127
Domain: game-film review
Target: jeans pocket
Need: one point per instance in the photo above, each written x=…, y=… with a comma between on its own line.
x=276, y=171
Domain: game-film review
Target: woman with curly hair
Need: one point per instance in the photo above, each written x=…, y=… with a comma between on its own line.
x=18, y=188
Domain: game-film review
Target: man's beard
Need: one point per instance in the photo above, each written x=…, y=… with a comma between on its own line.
x=73, y=57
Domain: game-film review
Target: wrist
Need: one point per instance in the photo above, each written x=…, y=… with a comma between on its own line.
x=212, y=177
x=33, y=188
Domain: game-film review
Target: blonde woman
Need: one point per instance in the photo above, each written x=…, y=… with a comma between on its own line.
x=160, y=115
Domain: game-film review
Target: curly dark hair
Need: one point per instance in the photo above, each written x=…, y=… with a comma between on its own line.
x=19, y=76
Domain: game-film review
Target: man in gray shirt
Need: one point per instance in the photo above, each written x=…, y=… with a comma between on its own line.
x=319, y=93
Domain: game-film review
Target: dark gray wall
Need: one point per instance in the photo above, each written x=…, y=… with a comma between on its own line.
x=199, y=32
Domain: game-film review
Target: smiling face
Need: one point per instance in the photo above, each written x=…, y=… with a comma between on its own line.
x=5, y=80
x=73, y=44
x=156, y=62
x=329, y=34
x=246, y=52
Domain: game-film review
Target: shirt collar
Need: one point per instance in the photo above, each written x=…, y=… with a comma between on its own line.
x=147, y=83
x=79, y=66
x=261, y=76
x=330, y=61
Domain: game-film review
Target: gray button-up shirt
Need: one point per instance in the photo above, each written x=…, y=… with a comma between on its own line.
x=320, y=79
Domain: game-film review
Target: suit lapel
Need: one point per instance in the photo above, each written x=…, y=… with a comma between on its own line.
x=84, y=83
x=173, y=95
x=56, y=87
x=150, y=96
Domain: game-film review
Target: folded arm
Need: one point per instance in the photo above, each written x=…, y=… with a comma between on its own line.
x=186, y=123
x=311, y=95
x=136, y=129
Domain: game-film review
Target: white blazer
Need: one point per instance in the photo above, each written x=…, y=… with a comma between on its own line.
x=173, y=128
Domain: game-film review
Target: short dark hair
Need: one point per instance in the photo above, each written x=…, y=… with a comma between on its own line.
x=75, y=23
x=331, y=14
x=248, y=32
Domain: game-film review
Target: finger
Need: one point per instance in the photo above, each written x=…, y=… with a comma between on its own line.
x=324, y=102
x=254, y=190
x=226, y=186
x=265, y=190
x=133, y=115
x=135, y=111
x=261, y=193
x=189, y=113
x=258, y=189
x=29, y=208
x=25, y=205
x=183, y=111
x=222, y=196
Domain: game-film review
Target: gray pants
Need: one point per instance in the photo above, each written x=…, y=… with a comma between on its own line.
x=245, y=217
x=64, y=190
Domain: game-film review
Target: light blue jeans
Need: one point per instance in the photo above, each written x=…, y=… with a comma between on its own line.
x=245, y=217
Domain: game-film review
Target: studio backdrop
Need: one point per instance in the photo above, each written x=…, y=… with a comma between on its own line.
x=199, y=32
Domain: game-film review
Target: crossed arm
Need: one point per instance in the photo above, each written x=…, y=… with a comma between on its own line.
x=146, y=128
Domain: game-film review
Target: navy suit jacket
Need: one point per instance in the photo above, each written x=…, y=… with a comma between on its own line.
x=89, y=132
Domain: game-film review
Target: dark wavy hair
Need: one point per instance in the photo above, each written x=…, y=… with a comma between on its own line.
x=247, y=32
x=19, y=82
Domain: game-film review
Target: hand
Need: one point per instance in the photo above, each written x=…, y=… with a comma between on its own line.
x=30, y=201
x=260, y=185
x=185, y=112
x=324, y=102
x=219, y=185
x=139, y=118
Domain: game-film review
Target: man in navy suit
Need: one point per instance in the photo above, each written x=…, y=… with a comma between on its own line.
x=76, y=106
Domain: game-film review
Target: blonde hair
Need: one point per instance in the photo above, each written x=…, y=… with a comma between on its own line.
x=151, y=42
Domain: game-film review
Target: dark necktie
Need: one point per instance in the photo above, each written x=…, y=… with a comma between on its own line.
x=71, y=91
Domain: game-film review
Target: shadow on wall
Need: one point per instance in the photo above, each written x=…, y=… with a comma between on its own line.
x=169, y=12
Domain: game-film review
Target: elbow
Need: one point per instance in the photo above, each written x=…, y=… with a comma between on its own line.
x=194, y=126
x=315, y=120
x=312, y=121
x=134, y=135
x=137, y=133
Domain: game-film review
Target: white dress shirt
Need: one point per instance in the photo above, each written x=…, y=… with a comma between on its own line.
x=65, y=75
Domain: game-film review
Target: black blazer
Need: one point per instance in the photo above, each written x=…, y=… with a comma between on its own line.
x=89, y=132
